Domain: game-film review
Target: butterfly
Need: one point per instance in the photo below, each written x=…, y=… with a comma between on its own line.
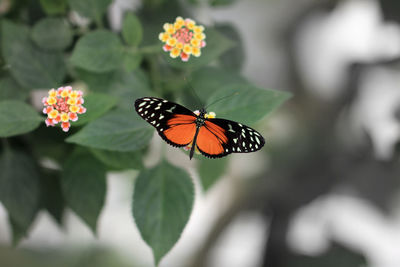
x=180, y=127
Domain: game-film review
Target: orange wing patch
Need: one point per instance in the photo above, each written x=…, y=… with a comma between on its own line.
x=182, y=129
x=210, y=139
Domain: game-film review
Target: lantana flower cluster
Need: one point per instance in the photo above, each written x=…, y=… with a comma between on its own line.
x=63, y=105
x=183, y=38
x=209, y=115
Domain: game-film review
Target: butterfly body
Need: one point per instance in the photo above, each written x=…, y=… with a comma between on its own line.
x=181, y=127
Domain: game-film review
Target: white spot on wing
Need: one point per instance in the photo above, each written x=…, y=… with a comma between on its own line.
x=141, y=104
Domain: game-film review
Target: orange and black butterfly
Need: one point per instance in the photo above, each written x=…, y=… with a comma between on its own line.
x=179, y=127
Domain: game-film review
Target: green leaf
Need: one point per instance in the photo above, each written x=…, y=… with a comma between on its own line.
x=97, y=82
x=10, y=89
x=52, y=197
x=221, y=2
x=162, y=204
x=19, y=188
x=119, y=160
x=132, y=30
x=93, y=9
x=96, y=105
x=210, y=170
x=337, y=255
x=31, y=68
x=18, y=232
x=208, y=80
x=128, y=86
x=125, y=86
x=132, y=60
x=216, y=45
x=117, y=131
x=52, y=34
x=53, y=7
x=248, y=104
x=233, y=58
x=17, y=118
x=98, y=51
x=84, y=186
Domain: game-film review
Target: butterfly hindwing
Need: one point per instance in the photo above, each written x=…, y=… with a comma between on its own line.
x=173, y=122
x=229, y=137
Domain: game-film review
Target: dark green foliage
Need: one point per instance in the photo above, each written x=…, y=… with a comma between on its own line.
x=162, y=203
x=83, y=183
x=17, y=118
x=30, y=66
x=19, y=189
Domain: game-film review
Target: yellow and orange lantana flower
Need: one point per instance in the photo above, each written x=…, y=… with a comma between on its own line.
x=183, y=38
x=63, y=105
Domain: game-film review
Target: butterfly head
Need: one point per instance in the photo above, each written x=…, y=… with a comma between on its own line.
x=202, y=113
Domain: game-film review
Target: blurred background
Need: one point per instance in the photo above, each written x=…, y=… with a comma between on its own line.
x=324, y=191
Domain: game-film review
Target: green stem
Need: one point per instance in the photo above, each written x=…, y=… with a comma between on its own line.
x=5, y=144
x=155, y=74
x=150, y=49
x=99, y=22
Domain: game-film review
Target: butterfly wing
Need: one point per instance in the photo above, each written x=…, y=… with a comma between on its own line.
x=220, y=137
x=173, y=122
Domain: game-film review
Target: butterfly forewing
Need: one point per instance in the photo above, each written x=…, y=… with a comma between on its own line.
x=173, y=122
x=235, y=138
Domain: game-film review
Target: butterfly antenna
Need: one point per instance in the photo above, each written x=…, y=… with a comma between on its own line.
x=222, y=98
x=194, y=92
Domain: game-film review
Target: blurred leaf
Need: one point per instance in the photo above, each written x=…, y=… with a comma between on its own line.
x=48, y=142
x=98, y=51
x=84, y=186
x=17, y=118
x=210, y=170
x=17, y=231
x=53, y=7
x=220, y=2
x=337, y=255
x=19, y=188
x=162, y=204
x=117, y=131
x=132, y=60
x=96, y=105
x=233, y=58
x=30, y=67
x=97, y=82
x=248, y=105
x=128, y=86
x=208, y=80
x=119, y=160
x=52, y=34
x=52, y=197
x=93, y=9
x=132, y=30
x=216, y=45
x=10, y=89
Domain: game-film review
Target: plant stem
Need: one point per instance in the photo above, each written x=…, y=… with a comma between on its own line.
x=155, y=74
